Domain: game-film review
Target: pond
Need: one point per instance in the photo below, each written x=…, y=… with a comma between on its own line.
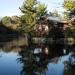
x=25, y=61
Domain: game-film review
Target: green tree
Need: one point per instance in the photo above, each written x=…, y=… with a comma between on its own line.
x=67, y=15
x=41, y=11
x=6, y=21
x=55, y=13
x=69, y=4
x=32, y=11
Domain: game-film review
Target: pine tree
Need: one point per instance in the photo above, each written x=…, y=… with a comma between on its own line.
x=32, y=11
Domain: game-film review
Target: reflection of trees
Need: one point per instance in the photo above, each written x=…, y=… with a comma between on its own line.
x=68, y=69
x=14, y=44
x=9, y=46
x=32, y=64
x=35, y=64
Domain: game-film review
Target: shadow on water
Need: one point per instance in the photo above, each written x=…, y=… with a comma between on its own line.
x=36, y=63
x=11, y=39
x=40, y=59
x=68, y=69
x=7, y=34
x=33, y=64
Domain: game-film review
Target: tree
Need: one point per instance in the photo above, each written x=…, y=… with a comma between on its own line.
x=69, y=5
x=41, y=11
x=32, y=11
x=67, y=15
x=55, y=13
x=6, y=21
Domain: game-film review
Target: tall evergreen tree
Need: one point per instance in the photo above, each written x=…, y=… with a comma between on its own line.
x=32, y=11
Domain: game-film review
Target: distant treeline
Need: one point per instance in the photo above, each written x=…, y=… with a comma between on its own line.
x=10, y=22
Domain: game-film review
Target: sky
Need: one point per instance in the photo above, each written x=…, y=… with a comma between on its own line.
x=11, y=7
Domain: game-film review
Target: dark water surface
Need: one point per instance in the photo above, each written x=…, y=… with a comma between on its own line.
x=27, y=61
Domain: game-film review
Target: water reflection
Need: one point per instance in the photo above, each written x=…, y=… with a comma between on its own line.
x=68, y=69
x=35, y=63
x=34, y=60
x=32, y=64
x=8, y=64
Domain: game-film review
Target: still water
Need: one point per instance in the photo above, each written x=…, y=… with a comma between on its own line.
x=9, y=64
x=26, y=62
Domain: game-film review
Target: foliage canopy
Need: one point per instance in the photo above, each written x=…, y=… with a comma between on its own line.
x=6, y=21
x=32, y=11
x=69, y=4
